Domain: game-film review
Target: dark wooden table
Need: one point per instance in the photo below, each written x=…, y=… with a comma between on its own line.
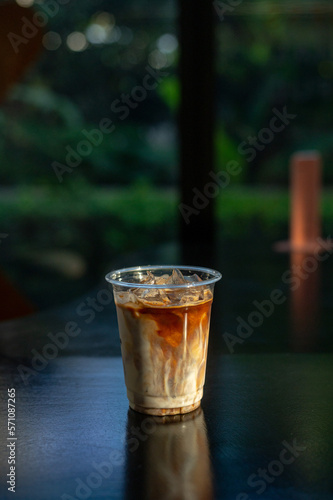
x=265, y=428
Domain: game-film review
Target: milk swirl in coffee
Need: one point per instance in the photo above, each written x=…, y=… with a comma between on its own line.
x=164, y=339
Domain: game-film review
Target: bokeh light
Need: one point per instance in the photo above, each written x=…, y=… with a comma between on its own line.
x=96, y=33
x=25, y=3
x=102, y=29
x=52, y=40
x=167, y=43
x=77, y=41
x=157, y=60
x=105, y=19
x=126, y=36
x=115, y=35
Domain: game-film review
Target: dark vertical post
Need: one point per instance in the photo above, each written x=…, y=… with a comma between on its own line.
x=196, y=123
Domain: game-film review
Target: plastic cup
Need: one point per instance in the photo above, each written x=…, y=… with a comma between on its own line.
x=164, y=331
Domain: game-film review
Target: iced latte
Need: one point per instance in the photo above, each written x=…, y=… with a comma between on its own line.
x=163, y=319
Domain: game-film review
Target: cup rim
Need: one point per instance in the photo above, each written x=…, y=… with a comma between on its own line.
x=111, y=277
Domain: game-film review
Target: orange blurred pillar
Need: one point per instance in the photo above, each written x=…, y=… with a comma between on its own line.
x=305, y=221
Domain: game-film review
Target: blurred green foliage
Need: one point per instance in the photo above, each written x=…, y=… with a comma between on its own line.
x=267, y=56
x=122, y=195
x=141, y=212
x=271, y=55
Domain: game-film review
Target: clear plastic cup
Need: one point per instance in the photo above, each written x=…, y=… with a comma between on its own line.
x=164, y=330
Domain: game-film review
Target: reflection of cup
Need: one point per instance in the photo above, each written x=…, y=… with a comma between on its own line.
x=163, y=320
x=170, y=460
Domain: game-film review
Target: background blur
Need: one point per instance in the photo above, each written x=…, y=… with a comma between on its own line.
x=63, y=224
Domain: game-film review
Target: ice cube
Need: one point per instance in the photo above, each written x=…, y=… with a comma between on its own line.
x=194, y=278
x=152, y=297
x=149, y=279
x=191, y=297
x=169, y=296
x=177, y=277
x=165, y=279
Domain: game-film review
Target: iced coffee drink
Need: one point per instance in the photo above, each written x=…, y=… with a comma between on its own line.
x=163, y=319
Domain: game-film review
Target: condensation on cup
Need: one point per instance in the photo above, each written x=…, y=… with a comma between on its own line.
x=163, y=320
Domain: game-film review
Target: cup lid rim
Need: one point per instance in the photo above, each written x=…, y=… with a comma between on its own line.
x=111, y=276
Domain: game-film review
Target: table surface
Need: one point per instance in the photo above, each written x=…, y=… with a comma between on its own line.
x=265, y=427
